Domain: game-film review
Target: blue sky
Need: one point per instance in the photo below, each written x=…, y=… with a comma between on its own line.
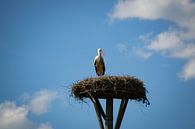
x=47, y=45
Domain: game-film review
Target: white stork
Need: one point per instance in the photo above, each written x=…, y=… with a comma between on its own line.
x=99, y=63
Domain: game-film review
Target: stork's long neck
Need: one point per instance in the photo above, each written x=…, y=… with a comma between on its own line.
x=99, y=54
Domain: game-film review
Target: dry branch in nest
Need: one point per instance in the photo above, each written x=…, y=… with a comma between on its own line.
x=117, y=87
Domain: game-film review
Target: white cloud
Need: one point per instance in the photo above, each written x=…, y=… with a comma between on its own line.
x=146, y=38
x=9, y=112
x=41, y=101
x=145, y=9
x=181, y=12
x=45, y=126
x=14, y=116
x=122, y=47
x=141, y=53
x=178, y=42
x=185, y=51
x=165, y=41
x=171, y=45
x=188, y=71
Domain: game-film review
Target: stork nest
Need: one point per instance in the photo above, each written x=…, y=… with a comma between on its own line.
x=116, y=87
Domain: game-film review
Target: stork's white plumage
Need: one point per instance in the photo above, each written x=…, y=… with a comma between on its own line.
x=99, y=63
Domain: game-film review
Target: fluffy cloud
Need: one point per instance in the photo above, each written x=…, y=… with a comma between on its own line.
x=122, y=47
x=45, y=126
x=171, y=45
x=41, y=101
x=165, y=41
x=14, y=116
x=141, y=53
x=178, y=42
x=188, y=71
x=144, y=9
x=181, y=12
x=185, y=51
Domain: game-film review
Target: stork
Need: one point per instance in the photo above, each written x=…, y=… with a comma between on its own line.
x=99, y=63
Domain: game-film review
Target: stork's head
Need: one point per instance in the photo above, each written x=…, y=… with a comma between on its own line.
x=99, y=51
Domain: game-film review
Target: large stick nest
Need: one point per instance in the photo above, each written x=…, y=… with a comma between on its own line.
x=118, y=87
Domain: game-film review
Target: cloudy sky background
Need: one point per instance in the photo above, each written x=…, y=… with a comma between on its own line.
x=177, y=41
x=47, y=45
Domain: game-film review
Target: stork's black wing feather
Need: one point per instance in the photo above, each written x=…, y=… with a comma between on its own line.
x=103, y=67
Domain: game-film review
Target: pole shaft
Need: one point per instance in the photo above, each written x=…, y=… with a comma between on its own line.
x=99, y=116
x=100, y=108
x=121, y=112
x=97, y=109
x=109, y=113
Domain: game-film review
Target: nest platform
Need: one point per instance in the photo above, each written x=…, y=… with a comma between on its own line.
x=116, y=87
